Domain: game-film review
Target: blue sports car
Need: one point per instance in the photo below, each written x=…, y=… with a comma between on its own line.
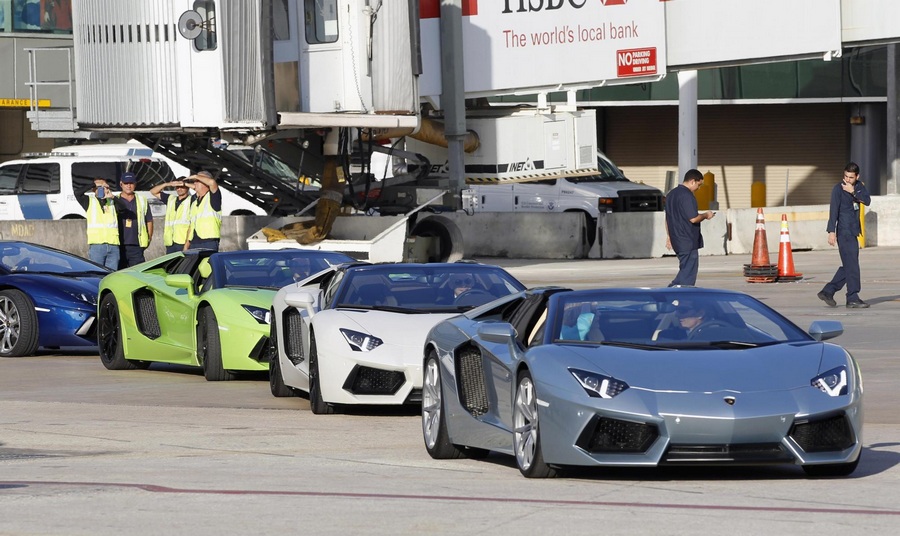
x=640, y=377
x=48, y=298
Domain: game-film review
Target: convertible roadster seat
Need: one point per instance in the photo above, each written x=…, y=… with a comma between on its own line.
x=374, y=295
x=201, y=276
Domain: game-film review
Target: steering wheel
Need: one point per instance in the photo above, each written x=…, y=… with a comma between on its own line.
x=711, y=325
x=473, y=297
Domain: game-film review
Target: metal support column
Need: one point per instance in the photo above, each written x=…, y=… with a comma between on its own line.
x=687, y=122
x=893, y=122
x=453, y=96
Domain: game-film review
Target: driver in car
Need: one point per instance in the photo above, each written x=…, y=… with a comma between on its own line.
x=694, y=320
x=300, y=268
x=456, y=285
x=461, y=283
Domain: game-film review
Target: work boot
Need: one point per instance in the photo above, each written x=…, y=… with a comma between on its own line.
x=829, y=299
x=859, y=304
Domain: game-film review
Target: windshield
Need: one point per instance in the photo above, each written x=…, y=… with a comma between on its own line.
x=25, y=257
x=608, y=172
x=668, y=320
x=269, y=269
x=275, y=167
x=424, y=288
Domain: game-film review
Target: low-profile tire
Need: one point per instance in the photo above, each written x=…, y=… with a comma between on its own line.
x=209, y=347
x=109, y=335
x=18, y=324
x=831, y=469
x=276, y=380
x=316, y=404
x=434, y=424
x=527, y=431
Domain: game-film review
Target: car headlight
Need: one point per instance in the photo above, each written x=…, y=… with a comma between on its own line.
x=260, y=314
x=361, y=342
x=833, y=382
x=598, y=385
x=90, y=299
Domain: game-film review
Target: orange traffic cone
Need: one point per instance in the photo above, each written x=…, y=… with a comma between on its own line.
x=760, y=270
x=785, y=256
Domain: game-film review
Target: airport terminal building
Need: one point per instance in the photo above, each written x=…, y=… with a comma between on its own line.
x=791, y=125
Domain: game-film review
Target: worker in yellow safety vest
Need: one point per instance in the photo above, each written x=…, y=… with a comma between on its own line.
x=206, y=213
x=135, y=222
x=178, y=213
x=102, y=226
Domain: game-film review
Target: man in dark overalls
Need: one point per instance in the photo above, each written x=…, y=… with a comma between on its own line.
x=843, y=230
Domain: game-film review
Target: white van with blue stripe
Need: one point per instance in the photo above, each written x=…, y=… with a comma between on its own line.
x=232, y=204
x=52, y=186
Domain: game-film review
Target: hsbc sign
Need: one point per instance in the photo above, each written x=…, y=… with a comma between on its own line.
x=521, y=6
x=543, y=45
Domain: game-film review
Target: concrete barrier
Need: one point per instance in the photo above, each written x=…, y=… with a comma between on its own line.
x=627, y=235
x=641, y=235
x=883, y=221
x=528, y=235
x=70, y=235
x=806, y=225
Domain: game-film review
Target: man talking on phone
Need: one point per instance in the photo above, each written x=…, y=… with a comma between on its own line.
x=843, y=229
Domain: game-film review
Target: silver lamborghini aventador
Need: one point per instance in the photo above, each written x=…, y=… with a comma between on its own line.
x=640, y=377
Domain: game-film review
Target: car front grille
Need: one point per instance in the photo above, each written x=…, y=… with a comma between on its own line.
x=639, y=202
x=293, y=335
x=605, y=435
x=145, y=314
x=470, y=375
x=373, y=381
x=824, y=435
x=745, y=453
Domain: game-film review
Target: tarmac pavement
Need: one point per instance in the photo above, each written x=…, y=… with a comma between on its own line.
x=86, y=451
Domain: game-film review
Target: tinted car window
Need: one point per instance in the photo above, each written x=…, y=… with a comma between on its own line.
x=83, y=174
x=9, y=176
x=149, y=173
x=41, y=179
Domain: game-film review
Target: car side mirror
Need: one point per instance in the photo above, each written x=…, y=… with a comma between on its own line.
x=184, y=281
x=302, y=299
x=499, y=332
x=822, y=330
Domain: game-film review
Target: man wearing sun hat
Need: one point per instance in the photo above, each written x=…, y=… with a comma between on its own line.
x=135, y=222
x=206, y=213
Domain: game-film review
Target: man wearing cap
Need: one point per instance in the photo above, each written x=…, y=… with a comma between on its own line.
x=206, y=213
x=135, y=222
x=178, y=213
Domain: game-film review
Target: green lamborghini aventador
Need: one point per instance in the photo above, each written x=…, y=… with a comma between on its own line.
x=199, y=308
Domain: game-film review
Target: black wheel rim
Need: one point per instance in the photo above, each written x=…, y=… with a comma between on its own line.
x=274, y=365
x=202, y=342
x=109, y=330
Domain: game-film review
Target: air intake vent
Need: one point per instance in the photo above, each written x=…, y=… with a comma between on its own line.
x=586, y=156
x=373, y=381
x=604, y=435
x=755, y=453
x=293, y=335
x=470, y=375
x=826, y=435
x=145, y=307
